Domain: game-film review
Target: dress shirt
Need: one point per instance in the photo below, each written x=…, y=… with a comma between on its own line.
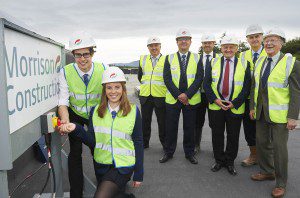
x=116, y=109
x=258, y=51
x=153, y=59
x=273, y=63
x=231, y=75
x=63, y=95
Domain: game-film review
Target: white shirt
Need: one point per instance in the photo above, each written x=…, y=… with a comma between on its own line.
x=183, y=54
x=116, y=109
x=273, y=63
x=231, y=76
x=64, y=94
x=258, y=51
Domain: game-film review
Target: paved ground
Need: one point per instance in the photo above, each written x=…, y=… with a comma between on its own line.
x=178, y=178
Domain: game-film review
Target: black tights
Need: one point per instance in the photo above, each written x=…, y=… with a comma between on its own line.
x=108, y=189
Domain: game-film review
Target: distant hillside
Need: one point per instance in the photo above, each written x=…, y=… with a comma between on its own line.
x=131, y=64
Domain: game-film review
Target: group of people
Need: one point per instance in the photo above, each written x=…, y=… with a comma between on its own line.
x=260, y=88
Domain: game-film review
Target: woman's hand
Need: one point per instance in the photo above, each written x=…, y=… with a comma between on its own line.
x=136, y=184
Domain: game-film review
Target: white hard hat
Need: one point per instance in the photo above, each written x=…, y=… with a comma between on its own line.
x=153, y=39
x=81, y=40
x=254, y=29
x=275, y=32
x=183, y=32
x=113, y=74
x=208, y=37
x=229, y=40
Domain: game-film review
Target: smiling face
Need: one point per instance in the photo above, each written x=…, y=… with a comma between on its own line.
x=208, y=46
x=229, y=50
x=154, y=49
x=273, y=45
x=83, y=58
x=255, y=40
x=114, y=92
x=184, y=44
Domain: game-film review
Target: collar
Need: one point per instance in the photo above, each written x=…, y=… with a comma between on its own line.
x=183, y=54
x=259, y=51
x=158, y=56
x=275, y=57
x=211, y=54
x=115, y=109
x=81, y=73
x=231, y=59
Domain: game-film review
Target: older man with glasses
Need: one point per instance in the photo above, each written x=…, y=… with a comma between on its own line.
x=274, y=103
x=80, y=89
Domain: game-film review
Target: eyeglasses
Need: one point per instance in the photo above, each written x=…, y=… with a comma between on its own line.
x=271, y=41
x=85, y=55
x=183, y=39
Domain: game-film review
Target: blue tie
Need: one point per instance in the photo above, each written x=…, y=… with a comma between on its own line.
x=255, y=57
x=207, y=61
x=266, y=73
x=183, y=61
x=113, y=114
x=86, y=79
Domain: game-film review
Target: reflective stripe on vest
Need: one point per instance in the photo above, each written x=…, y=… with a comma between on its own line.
x=278, y=89
x=113, y=138
x=152, y=82
x=83, y=97
x=238, y=79
x=191, y=71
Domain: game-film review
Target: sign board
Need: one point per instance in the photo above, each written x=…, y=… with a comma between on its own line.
x=32, y=67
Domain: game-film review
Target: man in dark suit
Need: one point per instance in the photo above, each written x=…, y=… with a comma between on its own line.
x=208, y=42
x=183, y=77
x=227, y=84
x=152, y=90
x=275, y=102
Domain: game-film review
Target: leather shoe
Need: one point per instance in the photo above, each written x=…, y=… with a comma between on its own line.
x=231, y=170
x=262, y=177
x=216, y=167
x=192, y=159
x=278, y=192
x=165, y=158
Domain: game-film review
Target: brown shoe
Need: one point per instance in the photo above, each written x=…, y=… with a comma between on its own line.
x=251, y=160
x=278, y=192
x=262, y=177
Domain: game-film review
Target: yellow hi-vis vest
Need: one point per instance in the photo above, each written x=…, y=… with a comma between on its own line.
x=191, y=71
x=238, y=79
x=83, y=98
x=113, y=138
x=278, y=88
x=247, y=55
x=152, y=82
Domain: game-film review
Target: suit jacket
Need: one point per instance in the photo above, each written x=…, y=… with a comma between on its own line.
x=183, y=85
x=237, y=102
x=263, y=100
x=159, y=101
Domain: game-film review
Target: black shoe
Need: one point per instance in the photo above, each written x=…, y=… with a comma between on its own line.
x=192, y=159
x=165, y=158
x=231, y=170
x=216, y=167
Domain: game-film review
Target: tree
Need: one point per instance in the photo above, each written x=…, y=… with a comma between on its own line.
x=293, y=47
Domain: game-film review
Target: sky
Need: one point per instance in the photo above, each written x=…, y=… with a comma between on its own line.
x=121, y=27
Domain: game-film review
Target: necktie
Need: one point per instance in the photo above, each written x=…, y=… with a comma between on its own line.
x=154, y=61
x=266, y=73
x=113, y=114
x=225, y=88
x=183, y=61
x=206, y=62
x=86, y=79
x=255, y=57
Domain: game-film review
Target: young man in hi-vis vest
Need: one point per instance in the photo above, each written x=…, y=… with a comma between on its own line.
x=227, y=83
x=152, y=90
x=254, y=35
x=274, y=104
x=80, y=90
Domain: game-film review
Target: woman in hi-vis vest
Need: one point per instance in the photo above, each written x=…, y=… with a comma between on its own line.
x=115, y=133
